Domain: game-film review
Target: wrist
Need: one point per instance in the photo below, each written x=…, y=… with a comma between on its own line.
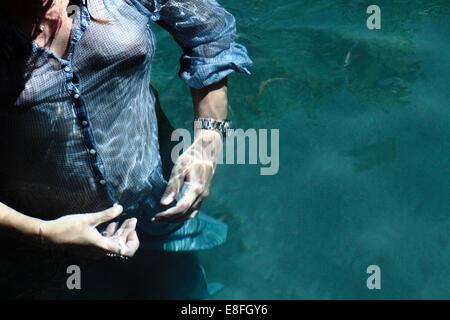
x=46, y=232
x=20, y=226
x=212, y=124
x=208, y=144
x=208, y=135
x=33, y=229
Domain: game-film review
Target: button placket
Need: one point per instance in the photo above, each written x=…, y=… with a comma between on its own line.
x=81, y=114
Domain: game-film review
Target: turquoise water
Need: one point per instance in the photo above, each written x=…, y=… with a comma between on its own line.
x=364, y=151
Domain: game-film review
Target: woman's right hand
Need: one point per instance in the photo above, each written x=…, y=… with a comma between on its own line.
x=78, y=233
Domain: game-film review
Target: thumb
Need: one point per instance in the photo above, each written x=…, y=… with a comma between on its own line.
x=106, y=215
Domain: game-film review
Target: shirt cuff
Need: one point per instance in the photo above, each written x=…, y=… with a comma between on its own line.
x=200, y=72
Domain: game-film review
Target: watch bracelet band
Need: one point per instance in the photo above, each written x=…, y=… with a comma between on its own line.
x=221, y=126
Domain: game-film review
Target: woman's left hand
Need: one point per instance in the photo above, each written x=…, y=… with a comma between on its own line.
x=195, y=168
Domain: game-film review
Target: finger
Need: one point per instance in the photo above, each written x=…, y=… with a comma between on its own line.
x=132, y=243
x=125, y=229
x=108, y=245
x=173, y=186
x=189, y=214
x=127, y=248
x=182, y=206
x=198, y=203
x=110, y=229
x=193, y=215
x=195, y=208
x=192, y=194
x=106, y=215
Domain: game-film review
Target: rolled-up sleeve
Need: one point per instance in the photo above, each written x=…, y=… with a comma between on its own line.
x=207, y=34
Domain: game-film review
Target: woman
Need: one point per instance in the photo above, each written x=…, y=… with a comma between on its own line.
x=79, y=123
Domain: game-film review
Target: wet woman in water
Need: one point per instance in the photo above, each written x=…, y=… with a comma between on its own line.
x=81, y=172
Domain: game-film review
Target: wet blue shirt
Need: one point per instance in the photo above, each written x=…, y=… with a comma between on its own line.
x=83, y=133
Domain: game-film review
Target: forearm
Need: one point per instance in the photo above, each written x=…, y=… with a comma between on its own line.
x=197, y=164
x=18, y=225
x=211, y=101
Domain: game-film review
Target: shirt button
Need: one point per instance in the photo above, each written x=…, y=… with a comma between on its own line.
x=84, y=123
x=67, y=69
x=92, y=151
x=76, y=96
x=102, y=182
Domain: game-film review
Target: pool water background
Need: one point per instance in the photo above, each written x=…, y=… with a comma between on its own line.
x=364, y=151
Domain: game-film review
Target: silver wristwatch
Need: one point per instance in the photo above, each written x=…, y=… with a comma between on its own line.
x=223, y=127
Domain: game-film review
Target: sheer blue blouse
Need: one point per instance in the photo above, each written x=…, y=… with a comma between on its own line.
x=83, y=133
